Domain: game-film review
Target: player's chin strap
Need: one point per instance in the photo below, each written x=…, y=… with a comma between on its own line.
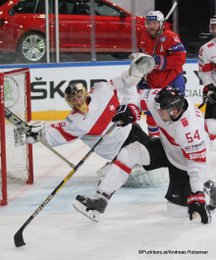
x=18, y=237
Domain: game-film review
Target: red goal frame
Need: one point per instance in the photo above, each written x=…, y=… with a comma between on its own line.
x=29, y=152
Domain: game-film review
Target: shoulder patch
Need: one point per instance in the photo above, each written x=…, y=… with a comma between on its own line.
x=210, y=44
x=184, y=122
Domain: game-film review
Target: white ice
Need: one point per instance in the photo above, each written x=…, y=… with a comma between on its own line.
x=136, y=219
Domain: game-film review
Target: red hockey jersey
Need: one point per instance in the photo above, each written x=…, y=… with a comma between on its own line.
x=174, y=53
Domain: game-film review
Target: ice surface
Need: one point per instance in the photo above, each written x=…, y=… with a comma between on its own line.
x=136, y=219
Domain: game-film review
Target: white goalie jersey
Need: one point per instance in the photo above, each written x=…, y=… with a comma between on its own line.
x=90, y=126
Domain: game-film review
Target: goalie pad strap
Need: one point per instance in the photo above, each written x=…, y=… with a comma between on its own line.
x=122, y=166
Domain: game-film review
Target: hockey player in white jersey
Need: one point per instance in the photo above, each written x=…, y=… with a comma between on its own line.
x=207, y=73
x=92, y=112
x=183, y=148
x=127, y=145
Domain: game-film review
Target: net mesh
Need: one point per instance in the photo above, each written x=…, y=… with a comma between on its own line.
x=15, y=100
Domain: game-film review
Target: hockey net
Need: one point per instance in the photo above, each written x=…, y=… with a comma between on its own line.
x=15, y=162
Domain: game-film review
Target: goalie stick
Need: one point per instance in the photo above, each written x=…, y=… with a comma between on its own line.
x=18, y=237
x=23, y=126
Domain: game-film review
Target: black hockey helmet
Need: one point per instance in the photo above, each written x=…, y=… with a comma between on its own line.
x=169, y=98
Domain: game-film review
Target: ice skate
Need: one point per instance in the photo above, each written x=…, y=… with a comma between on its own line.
x=91, y=207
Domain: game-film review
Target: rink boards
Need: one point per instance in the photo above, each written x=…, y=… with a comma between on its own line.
x=48, y=82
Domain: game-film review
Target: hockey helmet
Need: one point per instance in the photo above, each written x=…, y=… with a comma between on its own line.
x=212, y=21
x=155, y=16
x=169, y=98
x=76, y=96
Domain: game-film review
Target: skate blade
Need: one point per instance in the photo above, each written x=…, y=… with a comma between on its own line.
x=83, y=210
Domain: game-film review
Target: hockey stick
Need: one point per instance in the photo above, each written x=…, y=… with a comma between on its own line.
x=18, y=237
x=161, y=28
x=201, y=105
x=23, y=126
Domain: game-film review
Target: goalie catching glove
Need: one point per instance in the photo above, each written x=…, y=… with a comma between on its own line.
x=37, y=132
x=141, y=64
x=197, y=203
x=126, y=114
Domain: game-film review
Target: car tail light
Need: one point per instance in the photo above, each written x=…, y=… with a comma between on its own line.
x=2, y=20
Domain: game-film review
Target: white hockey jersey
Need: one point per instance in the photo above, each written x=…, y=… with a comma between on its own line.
x=90, y=126
x=185, y=141
x=207, y=62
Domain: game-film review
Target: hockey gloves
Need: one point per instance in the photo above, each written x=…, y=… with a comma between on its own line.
x=209, y=94
x=126, y=114
x=37, y=132
x=196, y=203
x=141, y=64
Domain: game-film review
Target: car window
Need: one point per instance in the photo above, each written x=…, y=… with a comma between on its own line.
x=101, y=8
x=83, y=7
x=3, y=2
x=104, y=9
x=29, y=7
x=66, y=6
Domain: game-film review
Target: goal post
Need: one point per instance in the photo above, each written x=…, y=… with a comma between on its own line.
x=16, y=162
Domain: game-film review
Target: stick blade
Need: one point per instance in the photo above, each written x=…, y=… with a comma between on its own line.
x=18, y=239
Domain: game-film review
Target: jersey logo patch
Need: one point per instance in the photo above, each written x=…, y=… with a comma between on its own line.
x=163, y=39
x=111, y=107
x=196, y=156
x=210, y=44
x=184, y=122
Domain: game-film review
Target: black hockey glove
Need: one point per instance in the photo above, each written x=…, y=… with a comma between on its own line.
x=209, y=94
x=126, y=114
x=196, y=203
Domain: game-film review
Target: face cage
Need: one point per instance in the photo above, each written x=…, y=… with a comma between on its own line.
x=76, y=100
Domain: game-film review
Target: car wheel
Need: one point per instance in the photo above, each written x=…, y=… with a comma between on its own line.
x=32, y=47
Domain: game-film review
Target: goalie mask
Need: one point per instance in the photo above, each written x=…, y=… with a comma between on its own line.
x=211, y=25
x=155, y=16
x=169, y=98
x=76, y=96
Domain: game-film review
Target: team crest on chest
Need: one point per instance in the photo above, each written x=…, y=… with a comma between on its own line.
x=163, y=39
x=111, y=107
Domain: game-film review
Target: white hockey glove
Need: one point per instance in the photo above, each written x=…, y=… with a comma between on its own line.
x=141, y=64
x=37, y=131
